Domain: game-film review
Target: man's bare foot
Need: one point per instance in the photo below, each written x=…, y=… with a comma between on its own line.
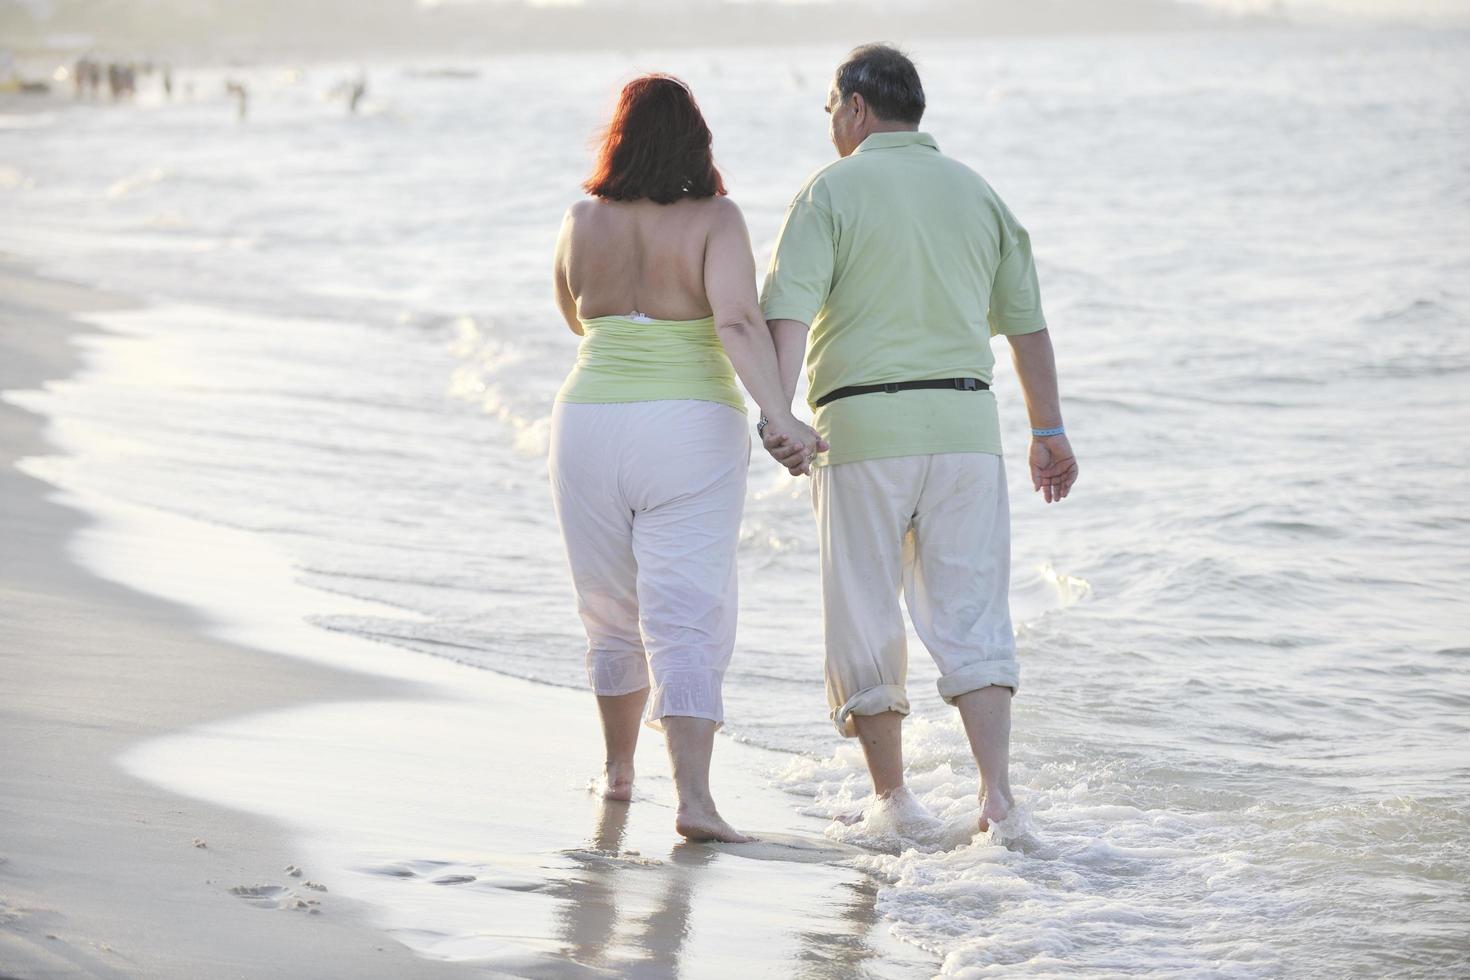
x=899, y=814
x=994, y=807
x=707, y=824
x=617, y=781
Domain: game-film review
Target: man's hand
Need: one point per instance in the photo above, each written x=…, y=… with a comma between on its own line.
x=793, y=444
x=1053, y=467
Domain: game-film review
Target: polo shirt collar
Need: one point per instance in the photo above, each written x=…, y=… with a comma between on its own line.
x=888, y=141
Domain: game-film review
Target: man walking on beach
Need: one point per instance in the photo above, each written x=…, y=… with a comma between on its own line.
x=902, y=263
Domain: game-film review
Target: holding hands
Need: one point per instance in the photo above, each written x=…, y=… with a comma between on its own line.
x=792, y=443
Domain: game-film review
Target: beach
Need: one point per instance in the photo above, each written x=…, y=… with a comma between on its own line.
x=104, y=874
x=101, y=874
x=282, y=577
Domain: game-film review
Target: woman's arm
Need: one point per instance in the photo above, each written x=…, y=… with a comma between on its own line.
x=729, y=283
x=565, y=301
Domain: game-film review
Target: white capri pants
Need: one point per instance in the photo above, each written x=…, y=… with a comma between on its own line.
x=649, y=497
x=936, y=527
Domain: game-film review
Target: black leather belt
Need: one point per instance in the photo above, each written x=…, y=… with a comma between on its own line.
x=957, y=384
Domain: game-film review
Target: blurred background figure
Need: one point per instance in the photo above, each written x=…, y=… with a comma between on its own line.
x=241, y=95
x=351, y=91
x=359, y=89
x=92, y=82
x=122, y=80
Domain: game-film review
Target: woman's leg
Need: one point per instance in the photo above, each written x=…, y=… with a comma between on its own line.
x=686, y=531
x=597, y=527
x=691, y=742
x=621, y=715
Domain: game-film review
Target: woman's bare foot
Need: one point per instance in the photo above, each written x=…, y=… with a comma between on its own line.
x=994, y=807
x=617, y=781
x=707, y=824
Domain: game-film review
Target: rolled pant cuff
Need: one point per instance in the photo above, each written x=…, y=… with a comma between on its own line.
x=873, y=701
x=982, y=673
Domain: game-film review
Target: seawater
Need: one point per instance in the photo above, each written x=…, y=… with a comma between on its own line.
x=1241, y=744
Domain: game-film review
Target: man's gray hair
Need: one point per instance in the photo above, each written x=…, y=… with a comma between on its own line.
x=886, y=79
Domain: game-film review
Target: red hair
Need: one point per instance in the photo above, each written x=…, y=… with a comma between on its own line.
x=656, y=147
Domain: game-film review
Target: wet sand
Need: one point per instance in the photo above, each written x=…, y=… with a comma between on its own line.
x=102, y=874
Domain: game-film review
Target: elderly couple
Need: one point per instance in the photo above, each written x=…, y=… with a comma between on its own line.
x=898, y=264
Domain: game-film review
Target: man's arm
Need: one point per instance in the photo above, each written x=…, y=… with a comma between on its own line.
x=1053, y=465
x=797, y=285
x=789, y=336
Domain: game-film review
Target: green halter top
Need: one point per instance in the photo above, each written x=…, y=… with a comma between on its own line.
x=635, y=358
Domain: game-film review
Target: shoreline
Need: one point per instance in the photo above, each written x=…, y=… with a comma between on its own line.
x=205, y=709
x=99, y=871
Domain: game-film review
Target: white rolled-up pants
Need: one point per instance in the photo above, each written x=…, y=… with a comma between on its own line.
x=649, y=497
x=937, y=529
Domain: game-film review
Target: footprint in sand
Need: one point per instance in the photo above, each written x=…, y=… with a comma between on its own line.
x=276, y=897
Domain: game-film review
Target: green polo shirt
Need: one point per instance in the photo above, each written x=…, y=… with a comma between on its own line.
x=904, y=263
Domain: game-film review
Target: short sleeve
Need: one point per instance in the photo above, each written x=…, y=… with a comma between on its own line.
x=800, y=274
x=1015, y=296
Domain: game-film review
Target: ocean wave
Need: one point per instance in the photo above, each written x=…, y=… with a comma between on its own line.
x=1416, y=312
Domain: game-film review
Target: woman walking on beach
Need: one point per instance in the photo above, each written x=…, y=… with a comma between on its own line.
x=649, y=438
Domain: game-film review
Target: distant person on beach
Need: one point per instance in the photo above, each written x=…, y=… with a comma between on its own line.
x=902, y=263
x=649, y=440
x=241, y=95
x=354, y=97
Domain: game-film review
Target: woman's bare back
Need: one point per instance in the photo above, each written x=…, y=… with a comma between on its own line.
x=625, y=256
